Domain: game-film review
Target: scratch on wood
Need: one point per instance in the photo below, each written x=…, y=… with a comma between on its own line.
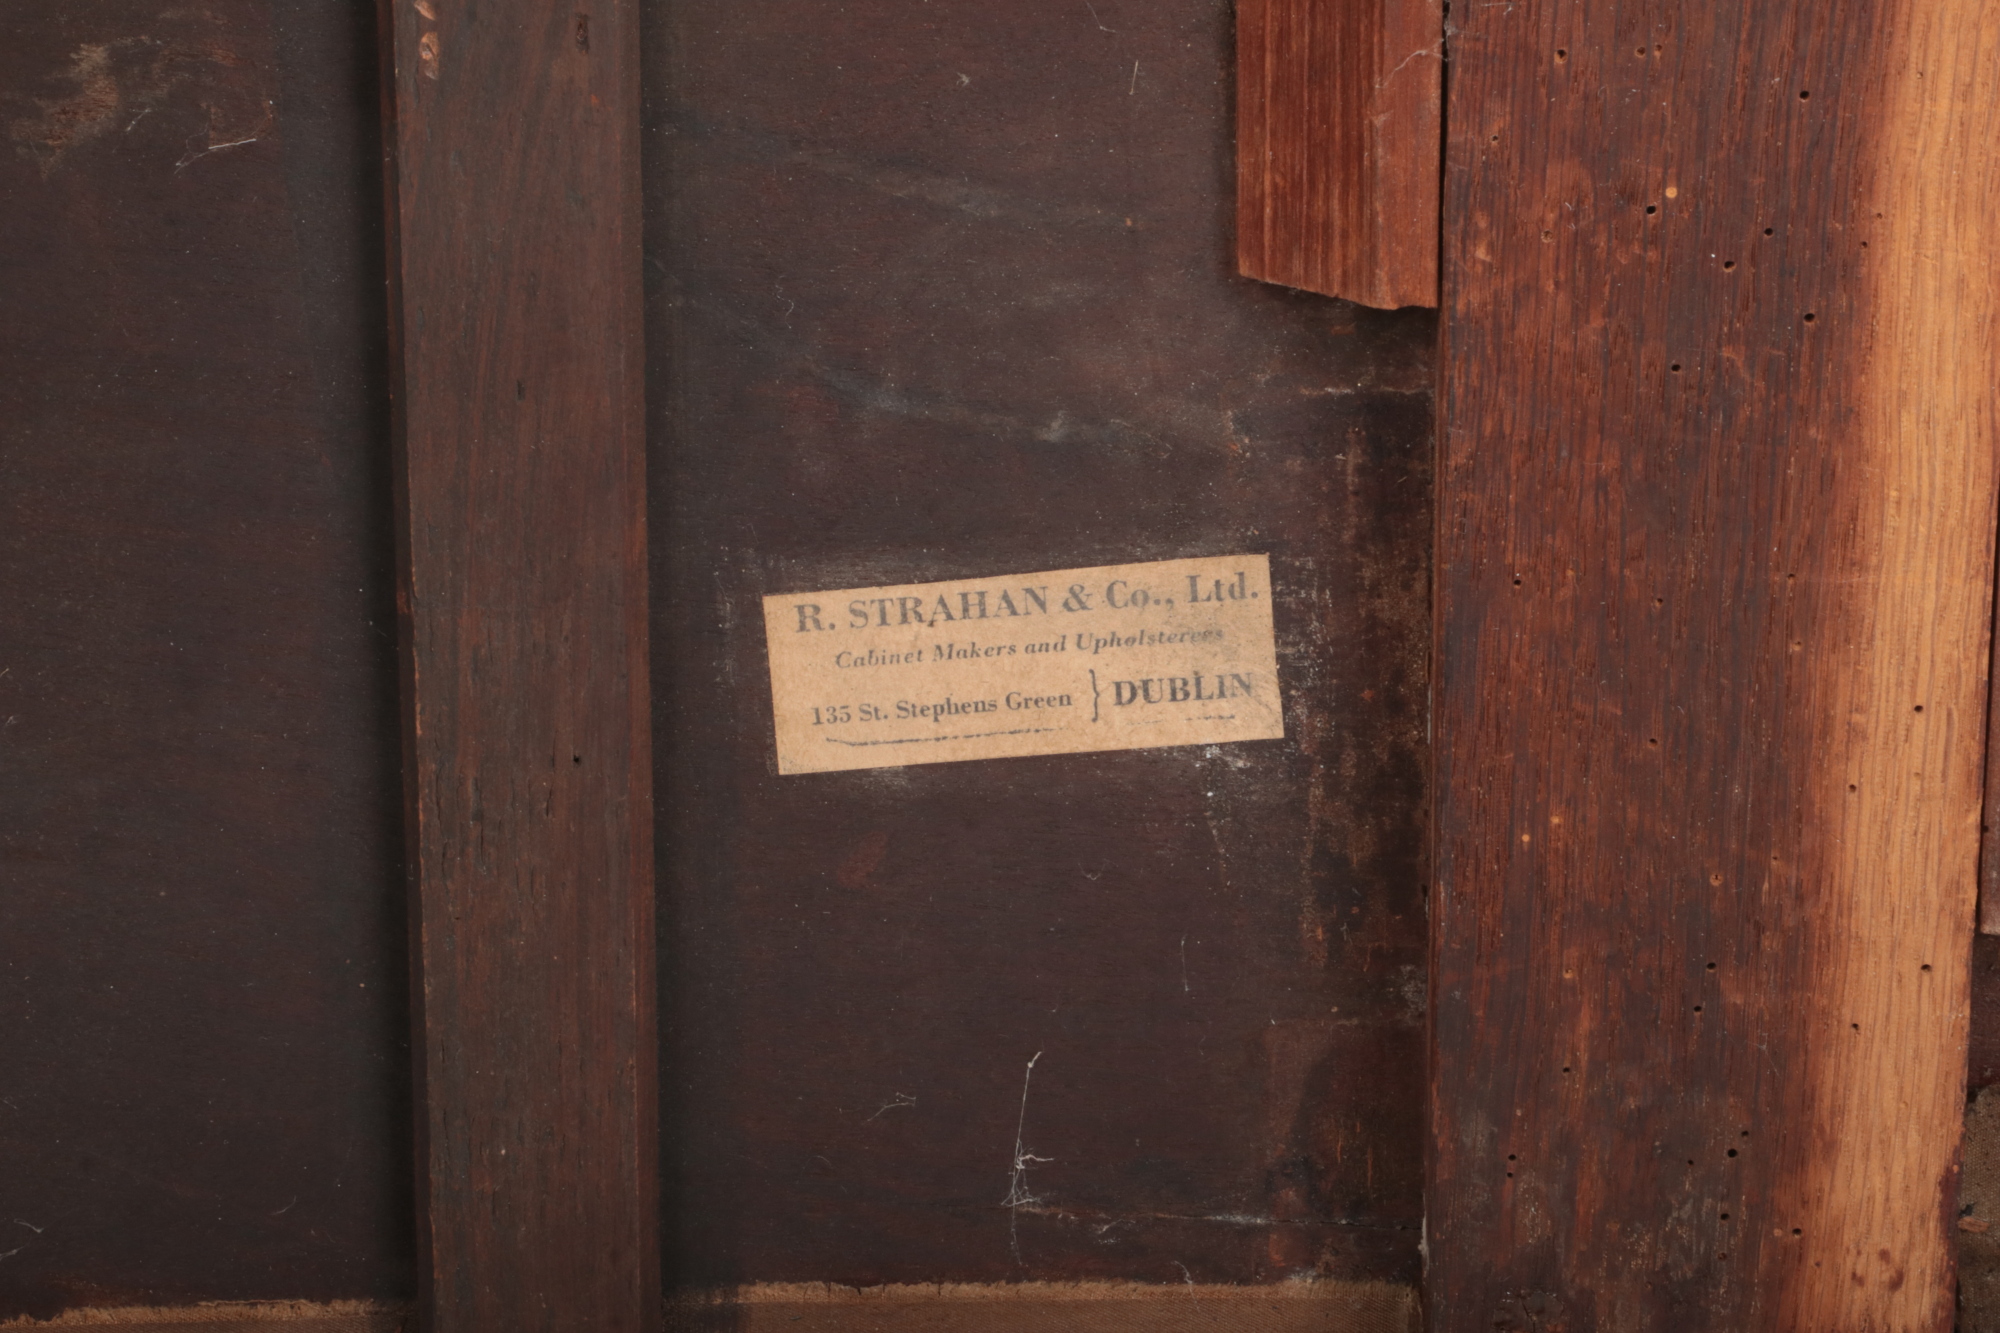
x=1018, y=1194
x=121, y=82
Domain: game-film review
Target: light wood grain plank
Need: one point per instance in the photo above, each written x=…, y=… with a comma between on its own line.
x=1338, y=115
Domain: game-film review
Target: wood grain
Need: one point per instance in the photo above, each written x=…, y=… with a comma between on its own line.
x=516, y=261
x=202, y=945
x=1053, y=1307
x=909, y=327
x=1339, y=109
x=1716, y=534
x=234, y=1317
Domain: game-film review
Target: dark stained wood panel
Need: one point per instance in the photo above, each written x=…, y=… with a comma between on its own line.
x=1716, y=524
x=1983, y=1057
x=516, y=263
x=1339, y=130
x=948, y=290
x=202, y=953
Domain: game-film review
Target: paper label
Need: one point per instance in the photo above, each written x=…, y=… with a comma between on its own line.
x=1123, y=657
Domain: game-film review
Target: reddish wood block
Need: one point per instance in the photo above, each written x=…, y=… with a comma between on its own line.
x=1338, y=123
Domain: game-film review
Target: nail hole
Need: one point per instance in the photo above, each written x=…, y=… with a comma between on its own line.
x=1675, y=367
x=1728, y=264
x=1652, y=208
x=1810, y=317
x=1768, y=231
x=1852, y=787
x=1561, y=54
x=1804, y=95
x=1711, y=967
x=1732, y=1153
x=1855, y=1026
x=1697, y=1008
x=1797, y=1232
x=1920, y=708
x=1652, y=740
x=1517, y=580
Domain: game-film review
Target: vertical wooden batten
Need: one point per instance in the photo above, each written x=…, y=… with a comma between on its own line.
x=516, y=266
x=1716, y=515
x=1338, y=111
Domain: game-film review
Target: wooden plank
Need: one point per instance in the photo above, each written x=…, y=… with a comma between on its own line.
x=1338, y=123
x=908, y=326
x=235, y=1317
x=1716, y=533
x=1053, y=1307
x=202, y=957
x=517, y=267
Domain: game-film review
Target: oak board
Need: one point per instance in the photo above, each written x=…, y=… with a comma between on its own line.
x=1716, y=527
x=521, y=524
